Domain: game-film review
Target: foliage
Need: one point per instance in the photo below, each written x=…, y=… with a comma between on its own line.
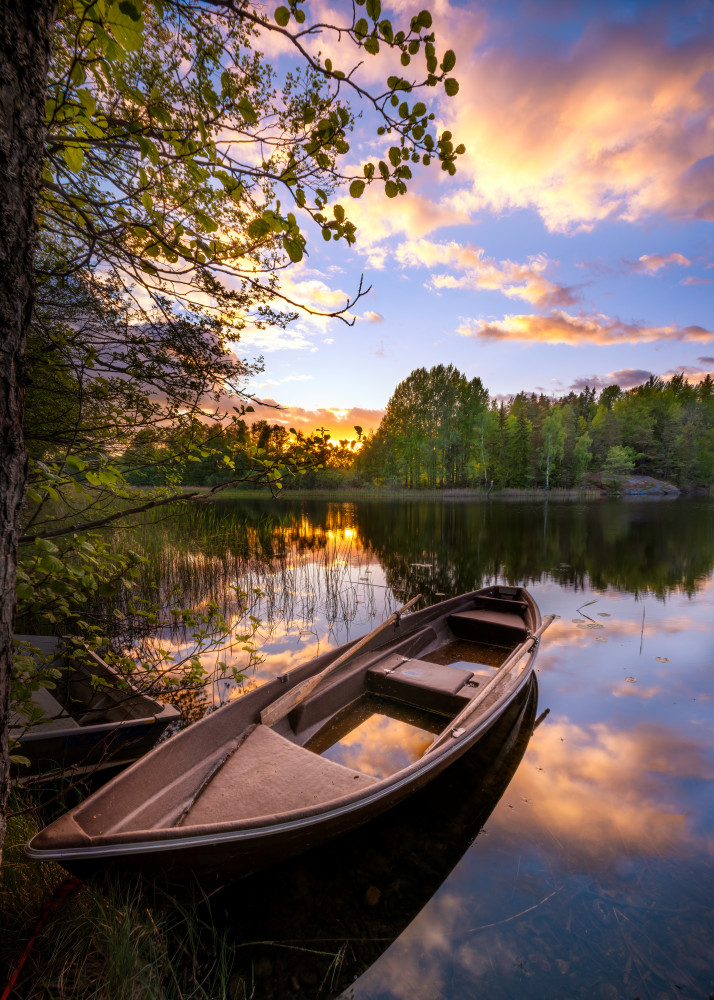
x=182, y=174
x=171, y=147
x=433, y=437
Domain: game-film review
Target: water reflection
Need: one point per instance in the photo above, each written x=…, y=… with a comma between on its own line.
x=594, y=875
x=377, y=736
x=338, y=909
x=329, y=571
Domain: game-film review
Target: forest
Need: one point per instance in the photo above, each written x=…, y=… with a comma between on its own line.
x=444, y=431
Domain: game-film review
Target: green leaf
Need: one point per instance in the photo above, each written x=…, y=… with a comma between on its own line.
x=247, y=110
x=128, y=8
x=372, y=46
x=356, y=188
x=451, y=87
x=449, y=61
x=374, y=9
x=282, y=16
x=361, y=28
x=294, y=249
x=391, y=190
x=74, y=158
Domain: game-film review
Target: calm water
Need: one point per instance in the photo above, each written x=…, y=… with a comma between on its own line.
x=569, y=860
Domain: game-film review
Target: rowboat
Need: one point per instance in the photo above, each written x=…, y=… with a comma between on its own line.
x=92, y=721
x=313, y=752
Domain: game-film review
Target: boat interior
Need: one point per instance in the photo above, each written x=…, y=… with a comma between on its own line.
x=382, y=705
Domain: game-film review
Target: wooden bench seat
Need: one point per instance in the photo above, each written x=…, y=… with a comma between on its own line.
x=437, y=687
x=267, y=775
x=494, y=625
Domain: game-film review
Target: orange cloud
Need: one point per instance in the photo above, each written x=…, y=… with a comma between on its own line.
x=340, y=423
x=619, y=125
x=523, y=281
x=378, y=217
x=560, y=327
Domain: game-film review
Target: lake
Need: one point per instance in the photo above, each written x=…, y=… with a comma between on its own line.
x=571, y=855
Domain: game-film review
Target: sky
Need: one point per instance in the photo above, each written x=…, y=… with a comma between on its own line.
x=574, y=246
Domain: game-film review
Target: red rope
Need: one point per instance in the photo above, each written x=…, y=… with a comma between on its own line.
x=63, y=892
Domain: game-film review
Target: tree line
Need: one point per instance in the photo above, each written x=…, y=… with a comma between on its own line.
x=443, y=430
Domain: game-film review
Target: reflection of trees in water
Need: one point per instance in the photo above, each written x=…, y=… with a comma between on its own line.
x=307, y=556
x=320, y=920
x=300, y=559
x=447, y=548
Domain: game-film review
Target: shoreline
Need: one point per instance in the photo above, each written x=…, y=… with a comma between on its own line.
x=448, y=494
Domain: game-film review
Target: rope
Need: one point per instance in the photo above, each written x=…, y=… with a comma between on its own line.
x=63, y=892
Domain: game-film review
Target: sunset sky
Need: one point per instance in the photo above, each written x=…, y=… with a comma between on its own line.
x=574, y=245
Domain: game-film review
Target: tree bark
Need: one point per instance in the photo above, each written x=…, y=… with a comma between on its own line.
x=25, y=40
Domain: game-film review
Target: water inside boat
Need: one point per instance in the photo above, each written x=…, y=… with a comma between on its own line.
x=379, y=735
x=376, y=735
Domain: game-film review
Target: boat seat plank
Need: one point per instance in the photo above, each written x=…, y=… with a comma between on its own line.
x=489, y=625
x=421, y=683
x=267, y=775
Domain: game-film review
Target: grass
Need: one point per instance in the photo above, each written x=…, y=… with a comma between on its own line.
x=110, y=940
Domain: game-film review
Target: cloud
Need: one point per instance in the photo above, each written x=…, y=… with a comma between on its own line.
x=270, y=383
x=626, y=378
x=339, y=422
x=560, y=327
x=305, y=287
x=377, y=218
x=618, y=125
x=705, y=360
x=651, y=263
x=691, y=280
x=294, y=337
x=524, y=281
x=693, y=375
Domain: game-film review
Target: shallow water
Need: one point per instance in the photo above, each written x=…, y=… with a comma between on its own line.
x=593, y=876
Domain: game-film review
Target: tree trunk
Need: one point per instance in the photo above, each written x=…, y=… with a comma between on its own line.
x=25, y=39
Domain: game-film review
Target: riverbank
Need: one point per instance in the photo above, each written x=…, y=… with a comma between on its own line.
x=384, y=493
x=595, y=488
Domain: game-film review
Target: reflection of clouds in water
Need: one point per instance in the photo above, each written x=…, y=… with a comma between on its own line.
x=595, y=793
x=629, y=689
x=590, y=801
x=564, y=632
x=278, y=661
x=380, y=746
x=418, y=968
